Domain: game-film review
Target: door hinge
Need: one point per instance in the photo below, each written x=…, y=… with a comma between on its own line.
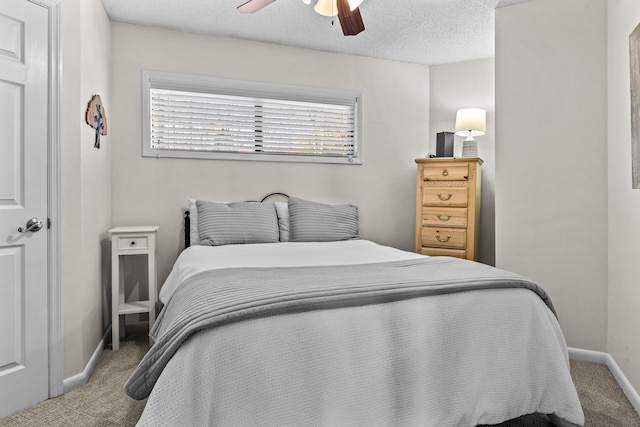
x=48, y=223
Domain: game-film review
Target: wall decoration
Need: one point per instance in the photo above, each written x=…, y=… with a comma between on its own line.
x=634, y=62
x=96, y=117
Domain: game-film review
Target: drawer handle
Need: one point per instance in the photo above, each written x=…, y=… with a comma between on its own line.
x=133, y=242
x=443, y=217
x=443, y=240
x=444, y=199
x=445, y=172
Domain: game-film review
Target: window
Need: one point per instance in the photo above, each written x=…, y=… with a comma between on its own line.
x=204, y=117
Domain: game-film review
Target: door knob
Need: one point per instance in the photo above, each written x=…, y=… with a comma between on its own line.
x=34, y=224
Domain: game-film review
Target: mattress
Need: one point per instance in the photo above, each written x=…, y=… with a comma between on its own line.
x=196, y=259
x=455, y=359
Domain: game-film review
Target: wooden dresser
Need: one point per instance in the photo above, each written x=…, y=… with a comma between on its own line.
x=448, y=206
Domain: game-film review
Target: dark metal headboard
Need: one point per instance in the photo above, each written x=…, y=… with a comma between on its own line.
x=187, y=229
x=187, y=217
x=271, y=195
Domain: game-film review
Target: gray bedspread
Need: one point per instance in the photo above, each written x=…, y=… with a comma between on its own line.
x=214, y=298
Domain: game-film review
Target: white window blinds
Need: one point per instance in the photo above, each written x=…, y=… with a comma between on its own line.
x=220, y=118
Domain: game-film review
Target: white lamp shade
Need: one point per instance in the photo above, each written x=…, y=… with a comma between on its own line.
x=326, y=7
x=471, y=122
x=330, y=7
x=306, y=1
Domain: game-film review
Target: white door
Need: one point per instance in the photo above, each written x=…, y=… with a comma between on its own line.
x=24, y=377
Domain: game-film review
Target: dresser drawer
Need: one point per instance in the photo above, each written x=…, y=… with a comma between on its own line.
x=446, y=173
x=445, y=196
x=134, y=242
x=455, y=238
x=458, y=253
x=444, y=217
x=448, y=206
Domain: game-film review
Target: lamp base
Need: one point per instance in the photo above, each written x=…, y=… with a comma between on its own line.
x=469, y=149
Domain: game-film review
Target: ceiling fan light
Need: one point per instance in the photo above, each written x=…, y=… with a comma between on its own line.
x=326, y=7
x=353, y=4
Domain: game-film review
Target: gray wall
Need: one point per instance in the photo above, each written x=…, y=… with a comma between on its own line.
x=86, y=181
x=154, y=191
x=623, y=337
x=460, y=85
x=551, y=157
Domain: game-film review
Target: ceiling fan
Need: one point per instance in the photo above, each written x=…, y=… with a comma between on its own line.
x=348, y=12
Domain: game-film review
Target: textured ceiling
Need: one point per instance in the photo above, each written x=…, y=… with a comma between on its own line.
x=417, y=31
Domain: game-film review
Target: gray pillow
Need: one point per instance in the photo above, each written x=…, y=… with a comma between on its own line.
x=318, y=222
x=233, y=223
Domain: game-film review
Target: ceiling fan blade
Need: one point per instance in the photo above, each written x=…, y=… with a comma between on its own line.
x=350, y=20
x=253, y=5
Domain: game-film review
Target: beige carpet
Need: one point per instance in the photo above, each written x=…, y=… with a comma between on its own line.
x=103, y=402
x=100, y=402
x=603, y=401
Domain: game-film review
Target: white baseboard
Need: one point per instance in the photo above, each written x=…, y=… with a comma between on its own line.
x=606, y=359
x=588, y=355
x=81, y=379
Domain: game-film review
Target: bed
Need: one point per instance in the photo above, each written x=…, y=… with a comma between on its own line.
x=303, y=323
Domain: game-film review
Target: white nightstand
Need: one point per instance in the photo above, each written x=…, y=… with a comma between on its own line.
x=131, y=241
